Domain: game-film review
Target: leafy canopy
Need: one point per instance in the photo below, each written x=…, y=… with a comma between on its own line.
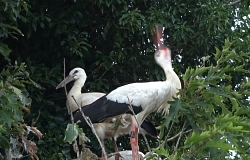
x=112, y=41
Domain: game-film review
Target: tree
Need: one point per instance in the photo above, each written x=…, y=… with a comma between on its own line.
x=112, y=42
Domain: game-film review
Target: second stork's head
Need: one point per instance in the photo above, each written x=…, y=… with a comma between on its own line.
x=77, y=74
x=163, y=58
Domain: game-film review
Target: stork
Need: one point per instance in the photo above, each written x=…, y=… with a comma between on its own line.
x=144, y=98
x=104, y=129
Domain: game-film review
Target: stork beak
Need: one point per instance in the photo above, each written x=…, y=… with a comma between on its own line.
x=68, y=79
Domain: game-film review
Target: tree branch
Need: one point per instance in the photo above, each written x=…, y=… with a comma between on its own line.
x=76, y=149
x=170, y=129
x=110, y=155
x=88, y=121
x=170, y=139
x=234, y=3
x=178, y=141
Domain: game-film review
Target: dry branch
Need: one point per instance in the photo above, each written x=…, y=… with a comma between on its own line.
x=169, y=131
x=88, y=121
x=76, y=149
x=234, y=3
x=178, y=141
x=170, y=139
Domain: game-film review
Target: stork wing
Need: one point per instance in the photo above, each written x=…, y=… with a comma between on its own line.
x=88, y=98
x=141, y=96
x=145, y=95
x=149, y=128
x=101, y=109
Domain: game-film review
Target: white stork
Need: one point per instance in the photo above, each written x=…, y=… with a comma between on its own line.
x=104, y=129
x=144, y=98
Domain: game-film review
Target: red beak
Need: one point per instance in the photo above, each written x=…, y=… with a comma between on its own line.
x=157, y=36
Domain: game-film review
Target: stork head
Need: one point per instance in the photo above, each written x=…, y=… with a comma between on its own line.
x=163, y=57
x=76, y=74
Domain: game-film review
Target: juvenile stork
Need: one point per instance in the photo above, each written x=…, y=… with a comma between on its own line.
x=104, y=129
x=144, y=98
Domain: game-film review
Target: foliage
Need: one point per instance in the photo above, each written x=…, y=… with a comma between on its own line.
x=15, y=102
x=111, y=40
x=213, y=108
x=10, y=11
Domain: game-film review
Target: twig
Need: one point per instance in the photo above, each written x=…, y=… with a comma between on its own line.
x=65, y=89
x=133, y=113
x=178, y=141
x=170, y=129
x=76, y=149
x=205, y=157
x=146, y=141
x=1, y=156
x=234, y=3
x=155, y=156
x=104, y=71
x=170, y=139
x=102, y=75
x=102, y=64
x=88, y=121
x=34, y=122
x=109, y=155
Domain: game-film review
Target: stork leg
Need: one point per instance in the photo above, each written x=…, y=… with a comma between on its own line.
x=117, y=155
x=134, y=141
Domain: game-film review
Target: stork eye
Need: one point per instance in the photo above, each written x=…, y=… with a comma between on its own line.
x=76, y=71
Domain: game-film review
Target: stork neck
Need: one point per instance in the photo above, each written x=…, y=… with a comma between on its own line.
x=77, y=87
x=170, y=74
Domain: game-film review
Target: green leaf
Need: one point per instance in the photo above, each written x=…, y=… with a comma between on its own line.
x=217, y=54
x=4, y=49
x=218, y=91
x=18, y=116
x=4, y=143
x=6, y=118
x=199, y=71
x=161, y=151
x=231, y=127
x=23, y=98
x=247, y=84
x=218, y=100
x=220, y=144
x=196, y=138
x=173, y=111
x=227, y=44
x=234, y=103
x=242, y=146
x=71, y=133
x=186, y=75
x=192, y=122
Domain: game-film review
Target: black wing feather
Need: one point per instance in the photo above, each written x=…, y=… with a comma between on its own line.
x=102, y=109
x=148, y=126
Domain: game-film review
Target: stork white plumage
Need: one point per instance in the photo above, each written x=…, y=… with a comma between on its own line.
x=144, y=98
x=104, y=129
